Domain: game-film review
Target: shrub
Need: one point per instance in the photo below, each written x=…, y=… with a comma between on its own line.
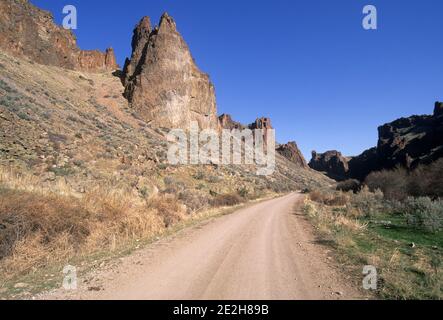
x=243, y=192
x=368, y=203
x=26, y=214
x=393, y=184
x=424, y=181
x=427, y=181
x=329, y=198
x=168, y=208
x=423, y=213
x=317, y=196
x=173, y=185
x=214, y=179
x=349, y=185
x=200, y=175
x=194, y=199
x=226, y=200
x=338, y=199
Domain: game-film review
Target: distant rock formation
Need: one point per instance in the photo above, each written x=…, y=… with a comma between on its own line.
x=438, y=110
x=26, y=30
x=226, y=122
x=406, y=142
x=163, y=83
x=333, y=163
x=261, y=123
x=291, y=152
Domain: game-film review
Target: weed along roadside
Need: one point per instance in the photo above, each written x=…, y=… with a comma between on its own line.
x=366, y=229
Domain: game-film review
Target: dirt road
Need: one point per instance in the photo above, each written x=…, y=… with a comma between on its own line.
x=265, y=251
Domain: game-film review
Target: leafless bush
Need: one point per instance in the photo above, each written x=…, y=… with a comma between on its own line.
x=398, y=184
x=393, y=183
x=427, y=181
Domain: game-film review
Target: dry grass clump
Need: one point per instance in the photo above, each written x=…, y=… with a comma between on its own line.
x=330, y=198
x=227, y=200
x=401, y=239
x=168, y=208
x=27, y=182
x=338, y=218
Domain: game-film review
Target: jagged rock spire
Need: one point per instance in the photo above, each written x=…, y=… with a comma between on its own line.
x=163, y=83
x=139, y=42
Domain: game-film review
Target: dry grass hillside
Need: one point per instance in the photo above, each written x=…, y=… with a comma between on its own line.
x=79, y=172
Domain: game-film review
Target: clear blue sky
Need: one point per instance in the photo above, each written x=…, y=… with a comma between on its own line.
x=308, y=65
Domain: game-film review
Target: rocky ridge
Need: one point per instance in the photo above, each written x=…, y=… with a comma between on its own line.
x=406, y=142
x=28, y=31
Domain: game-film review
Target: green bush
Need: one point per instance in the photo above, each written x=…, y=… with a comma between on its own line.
x=368, y=203
x=423, y=213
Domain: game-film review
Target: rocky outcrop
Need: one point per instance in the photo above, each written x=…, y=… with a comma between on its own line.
x=291, y=152
x=94, y=60
x=264, y=124
x=438, y=109
x=226, y=122
x=163, y=83
x=411, y=141
x=332, y=163
x=26, y=30
x=139, y=43
x=406, y=142
x=261, y=123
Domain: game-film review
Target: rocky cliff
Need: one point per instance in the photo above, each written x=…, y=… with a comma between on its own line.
x=333, y=163
x=28, y=31
x=226, y=122
x=291, y=152
x=163, y=83
x=406, y=142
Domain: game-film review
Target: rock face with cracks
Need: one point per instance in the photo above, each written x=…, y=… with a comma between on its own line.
x=162, y=82
x=28, y=31
x=291, y=152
